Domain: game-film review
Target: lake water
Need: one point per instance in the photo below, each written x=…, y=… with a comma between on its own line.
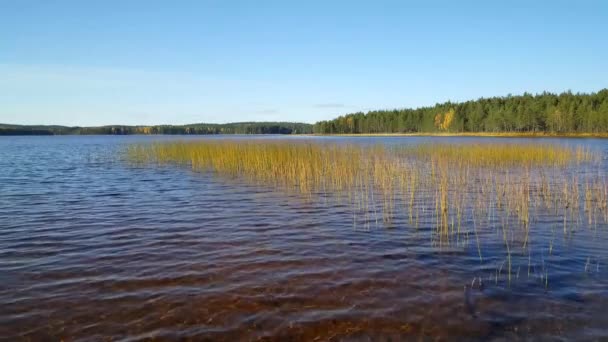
x=93, y=247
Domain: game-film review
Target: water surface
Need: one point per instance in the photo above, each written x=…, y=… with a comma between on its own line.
x=93, y=247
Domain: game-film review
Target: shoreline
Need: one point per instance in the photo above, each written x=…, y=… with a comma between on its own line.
x=474, y=134
x=435, y=134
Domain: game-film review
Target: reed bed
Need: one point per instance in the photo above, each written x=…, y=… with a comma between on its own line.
x=502, y=155
x=464, y=195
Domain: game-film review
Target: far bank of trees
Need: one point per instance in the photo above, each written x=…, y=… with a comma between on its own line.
x=546, y=112
x=230, y=128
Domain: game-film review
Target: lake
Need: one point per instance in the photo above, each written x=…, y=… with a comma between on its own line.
x=95, y=247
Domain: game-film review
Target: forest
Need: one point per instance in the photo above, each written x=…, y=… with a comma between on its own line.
x=562, y=113
x=540, y=113
x=229, y=128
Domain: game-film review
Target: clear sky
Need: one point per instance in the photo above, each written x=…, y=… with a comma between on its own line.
x=176, y=62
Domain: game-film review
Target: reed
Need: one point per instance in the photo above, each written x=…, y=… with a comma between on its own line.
x=460, y=190
x=500, y=155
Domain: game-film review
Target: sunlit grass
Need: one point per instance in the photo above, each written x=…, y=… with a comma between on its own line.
x=511, y=176
x=502, y=155
x=301, y=165
x=465, y=190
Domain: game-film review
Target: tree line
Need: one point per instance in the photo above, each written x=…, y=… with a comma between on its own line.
x=229, y=128
x=546, y=112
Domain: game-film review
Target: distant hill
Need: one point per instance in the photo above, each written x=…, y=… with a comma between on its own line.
x=202, y=128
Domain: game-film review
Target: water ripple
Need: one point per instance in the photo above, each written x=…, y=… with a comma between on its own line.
x=92, y=248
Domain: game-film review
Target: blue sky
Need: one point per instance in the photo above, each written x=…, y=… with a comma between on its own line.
x=177, y=62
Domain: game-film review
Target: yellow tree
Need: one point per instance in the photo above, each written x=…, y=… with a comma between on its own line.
x=445, y=120
x=448, y=118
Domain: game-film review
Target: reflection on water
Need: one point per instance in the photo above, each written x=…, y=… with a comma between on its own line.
x=95, y=248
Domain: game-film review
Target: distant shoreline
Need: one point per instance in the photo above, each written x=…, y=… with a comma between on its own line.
x=353, y=135
x=270, y=127
x=475, y=134
x=141, y=134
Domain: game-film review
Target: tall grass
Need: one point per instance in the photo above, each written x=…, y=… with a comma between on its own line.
x=501, y=155
x=465, y=190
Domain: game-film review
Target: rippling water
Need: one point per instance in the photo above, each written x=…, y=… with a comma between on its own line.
x=95, y=248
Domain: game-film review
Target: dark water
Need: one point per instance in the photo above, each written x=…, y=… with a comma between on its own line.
x=94, y=248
